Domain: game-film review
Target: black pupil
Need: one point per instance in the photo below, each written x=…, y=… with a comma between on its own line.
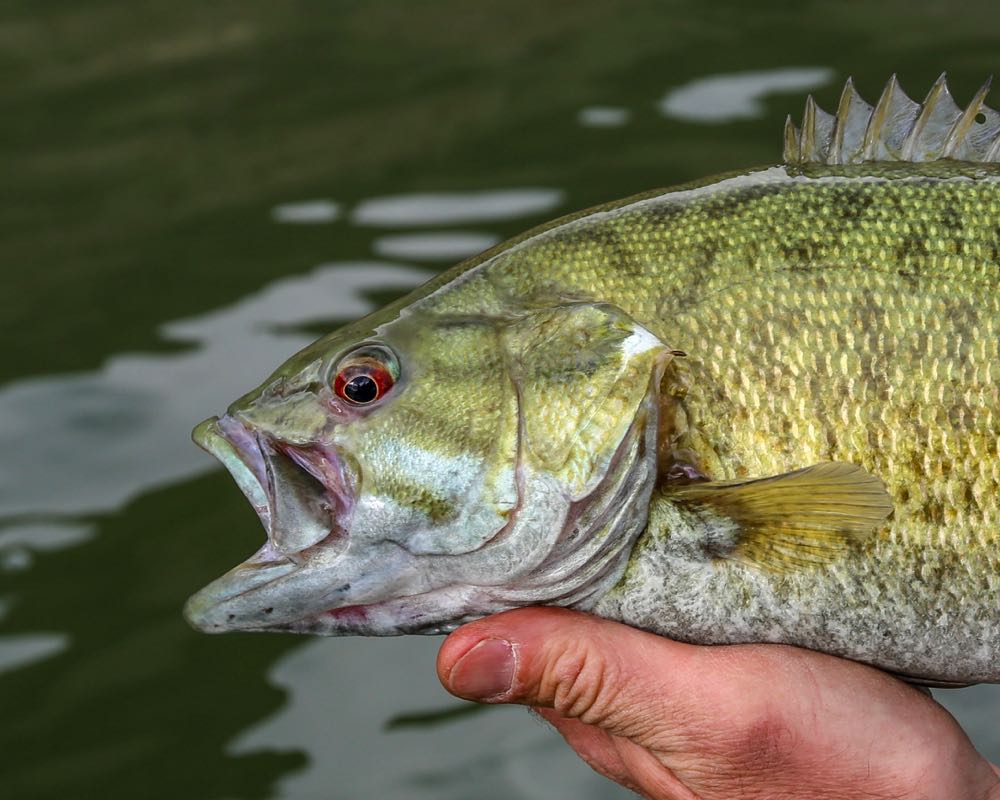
x=361, y=389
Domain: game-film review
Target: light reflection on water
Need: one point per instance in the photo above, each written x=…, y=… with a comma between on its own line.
x=41, y=536
x=723, y=98
x=306, y=212
x=23, y=650
x=452, y=208
x=21, y=541
x=603, y=116
x=437, y=246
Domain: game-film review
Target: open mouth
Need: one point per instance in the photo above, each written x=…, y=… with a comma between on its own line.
x=302, y=495
x=307, y=578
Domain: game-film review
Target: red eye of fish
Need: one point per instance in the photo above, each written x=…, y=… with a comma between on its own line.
x=362, y=379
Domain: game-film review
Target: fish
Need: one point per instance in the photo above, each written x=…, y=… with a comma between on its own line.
x=760, y=407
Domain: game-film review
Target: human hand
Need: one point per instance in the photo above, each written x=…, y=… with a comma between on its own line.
x=674, y=721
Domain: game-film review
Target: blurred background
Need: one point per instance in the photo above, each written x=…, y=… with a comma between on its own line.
x=191, y=192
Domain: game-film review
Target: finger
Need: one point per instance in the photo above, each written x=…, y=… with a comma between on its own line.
x=617, y=758
x=713, y=716
x=593, y=745
x=601, y=673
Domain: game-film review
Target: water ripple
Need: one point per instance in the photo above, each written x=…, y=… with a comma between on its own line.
x=23, y=650
x=437, y=246
x=738, y=95
x=449, y=208
x=603, y=116
x=307, y=212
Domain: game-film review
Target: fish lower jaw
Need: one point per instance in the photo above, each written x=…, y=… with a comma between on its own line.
x=432, y=612
x=437, y=611
x=256, y=598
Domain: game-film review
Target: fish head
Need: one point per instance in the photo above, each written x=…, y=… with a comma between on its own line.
x=437, y=468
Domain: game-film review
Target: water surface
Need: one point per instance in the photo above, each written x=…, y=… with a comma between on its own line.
x=191, y=194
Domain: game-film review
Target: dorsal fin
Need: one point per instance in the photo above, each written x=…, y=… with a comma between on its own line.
x=895, y=129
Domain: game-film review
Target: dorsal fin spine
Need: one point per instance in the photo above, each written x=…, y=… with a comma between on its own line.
x=939, y=89
x=896, y=129
x=853, y=114
x=791, y=149
x=956, y=136
x=843, y=109
x=817, y=132
x=807, y=142
x=877, y=119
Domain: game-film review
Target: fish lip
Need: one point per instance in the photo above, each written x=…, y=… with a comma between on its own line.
x=236, y=450
x=206, y=610
x=290, y=486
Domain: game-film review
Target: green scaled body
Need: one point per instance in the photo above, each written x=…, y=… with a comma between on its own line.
x=764, y=407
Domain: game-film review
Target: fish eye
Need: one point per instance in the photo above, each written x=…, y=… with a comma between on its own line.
x=364, y=376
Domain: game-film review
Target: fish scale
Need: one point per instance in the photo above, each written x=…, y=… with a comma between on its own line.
x=841, y=313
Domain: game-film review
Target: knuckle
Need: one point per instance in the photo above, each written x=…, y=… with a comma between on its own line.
x=584, y=685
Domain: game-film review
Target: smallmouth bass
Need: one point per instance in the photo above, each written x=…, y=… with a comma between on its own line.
x=764, y=407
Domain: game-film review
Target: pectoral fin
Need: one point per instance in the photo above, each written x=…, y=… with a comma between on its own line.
x=802, y=518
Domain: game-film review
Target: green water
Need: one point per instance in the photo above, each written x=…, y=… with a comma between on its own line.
x=157, y=259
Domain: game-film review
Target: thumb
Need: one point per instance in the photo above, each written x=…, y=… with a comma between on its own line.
x=593, y=670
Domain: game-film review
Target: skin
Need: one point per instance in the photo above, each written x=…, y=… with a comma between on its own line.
x=675, y=721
